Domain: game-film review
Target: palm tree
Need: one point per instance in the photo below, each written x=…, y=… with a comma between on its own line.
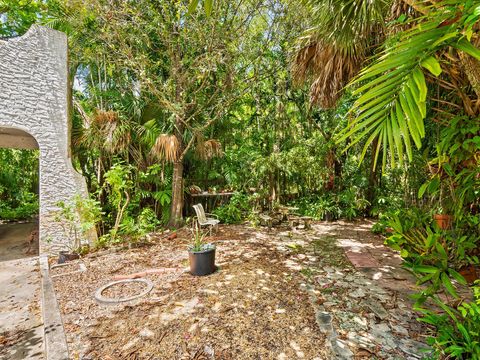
x=392, y=89
x=334, y=48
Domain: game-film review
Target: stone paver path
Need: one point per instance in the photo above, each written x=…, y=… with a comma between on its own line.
x=360, y=294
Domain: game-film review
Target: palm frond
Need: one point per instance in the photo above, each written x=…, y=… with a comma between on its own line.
x=208, y=149
x=392, y=91
x=166, y=147
x=332, y=51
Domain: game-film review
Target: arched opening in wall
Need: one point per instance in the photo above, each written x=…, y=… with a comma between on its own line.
x=19, y=194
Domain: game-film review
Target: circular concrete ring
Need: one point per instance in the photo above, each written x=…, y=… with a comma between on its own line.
x=104, y=300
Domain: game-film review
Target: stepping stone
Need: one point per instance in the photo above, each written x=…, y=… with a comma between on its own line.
x=361, y=259
x=324, y=321
x=357, y=293
x=413, y=348
x=400, y=330
x=376, y=308
x=342, y=350
x=380, y=330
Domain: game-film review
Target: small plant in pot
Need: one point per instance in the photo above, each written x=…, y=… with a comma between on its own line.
x=443, y=215
x=441, y=186
x=77, y=218
x=201, y=255
x=444, y=221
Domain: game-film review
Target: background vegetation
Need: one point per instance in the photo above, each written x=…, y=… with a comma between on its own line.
x=342, y=108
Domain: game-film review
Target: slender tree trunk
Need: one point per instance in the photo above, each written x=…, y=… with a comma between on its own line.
x=176, y=215
x=372, y=178
x=176, y=210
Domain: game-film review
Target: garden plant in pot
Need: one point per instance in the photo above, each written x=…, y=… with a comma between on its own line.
x=441, y=186
x=201, y=255
x=77, y=218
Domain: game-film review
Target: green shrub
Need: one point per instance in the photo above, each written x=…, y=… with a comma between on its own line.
x=24, y=211
x=235, y=211
x=136, y=228
x=457, y=330
x=434, y=255
x=331, y=206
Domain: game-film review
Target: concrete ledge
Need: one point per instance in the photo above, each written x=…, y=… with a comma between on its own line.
x=54, y=335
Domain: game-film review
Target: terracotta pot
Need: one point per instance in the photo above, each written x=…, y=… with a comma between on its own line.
x=469, y=273
x=443, y=221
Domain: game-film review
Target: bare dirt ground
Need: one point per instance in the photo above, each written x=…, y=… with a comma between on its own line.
x=278, y=294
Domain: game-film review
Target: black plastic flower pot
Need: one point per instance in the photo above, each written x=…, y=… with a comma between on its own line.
x=202, y=262
x=64, y=256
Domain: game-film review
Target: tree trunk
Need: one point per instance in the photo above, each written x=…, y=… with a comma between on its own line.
x=272, y=189
x=176, y=215
x=372, y=178
x=471, y=68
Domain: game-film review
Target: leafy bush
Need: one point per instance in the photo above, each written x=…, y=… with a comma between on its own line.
x=78, y=217
x=136, y=228
x=330, y=206
x=432, y=254
x=24, y=211
x=235, y=211
x=320, y=208
x=457, y=329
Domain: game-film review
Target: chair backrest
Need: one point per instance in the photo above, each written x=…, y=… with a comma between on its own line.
x=200, y=213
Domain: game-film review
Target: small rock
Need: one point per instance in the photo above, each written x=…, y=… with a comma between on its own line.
x=294, y=346
x=130, y=344
x=360, y=341
x=400, y=330
x=208, y=291
x=300, y=354
x=146, y=333
x=324, y=321
x=209, y=351
x=357, y=293
x=330, y=303
x=361, y=322
x=193, y=328
x=380, y=330
x=342, y=350
x=377, y=309
x=413, y=348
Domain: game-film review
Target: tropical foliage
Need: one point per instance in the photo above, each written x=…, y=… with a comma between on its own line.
x=280, y=102
x=18, y=189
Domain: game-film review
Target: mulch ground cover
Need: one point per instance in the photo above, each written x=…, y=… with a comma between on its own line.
x=252, y=308
x=332, y=292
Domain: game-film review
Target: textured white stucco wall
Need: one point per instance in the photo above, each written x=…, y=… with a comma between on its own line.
x=34, y=98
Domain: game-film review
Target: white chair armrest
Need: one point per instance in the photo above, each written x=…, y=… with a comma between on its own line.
x=215, y=216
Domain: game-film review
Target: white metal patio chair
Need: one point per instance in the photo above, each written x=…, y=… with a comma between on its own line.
x=202, y=218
